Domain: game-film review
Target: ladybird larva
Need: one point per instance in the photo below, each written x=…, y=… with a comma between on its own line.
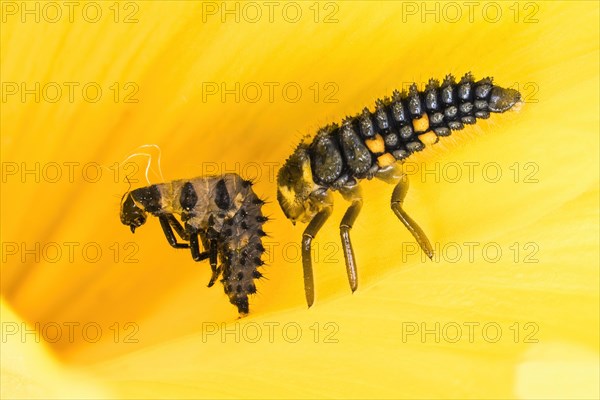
x=369, y=145
x=221, y=212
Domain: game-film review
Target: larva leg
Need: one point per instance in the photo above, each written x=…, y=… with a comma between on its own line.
x=210, y=240
x=166, y=227
x=397, y=199
x=203, y=239
x=394, y=175
x=212, y=258
x=353, y=195
x=178, y=228
x=309, y=233
x=195, y=247
x=211, y=254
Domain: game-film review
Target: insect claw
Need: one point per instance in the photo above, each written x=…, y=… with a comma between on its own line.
x=214, y=276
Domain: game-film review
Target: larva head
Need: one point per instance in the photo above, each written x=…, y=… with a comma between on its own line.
x=295, y=185
x=132, y=215
x=502, y=99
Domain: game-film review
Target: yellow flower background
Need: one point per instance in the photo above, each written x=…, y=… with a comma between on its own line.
x=406, y=332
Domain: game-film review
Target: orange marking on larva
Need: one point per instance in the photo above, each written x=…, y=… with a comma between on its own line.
x=376, y=145
x=428, y=137
x=385, y=159
x=421, y=124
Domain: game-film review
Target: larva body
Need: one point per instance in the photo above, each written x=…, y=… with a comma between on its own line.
x=222, y=211
x=369, y=145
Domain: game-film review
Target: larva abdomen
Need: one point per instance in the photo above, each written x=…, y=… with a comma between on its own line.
x=402, y=125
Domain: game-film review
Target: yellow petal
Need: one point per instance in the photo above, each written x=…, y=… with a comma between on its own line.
x=29, y=371
x=523, y=182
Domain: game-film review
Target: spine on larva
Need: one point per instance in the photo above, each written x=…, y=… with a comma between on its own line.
x=402, y=125
x=241, y=250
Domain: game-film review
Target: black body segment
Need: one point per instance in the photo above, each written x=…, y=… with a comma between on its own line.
x=222, y=199
x=188, y=197
x=149, y=197
x=414, y=102
x=357, y=155
x=221, y=213
x=368, y=145
x=327, y=162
